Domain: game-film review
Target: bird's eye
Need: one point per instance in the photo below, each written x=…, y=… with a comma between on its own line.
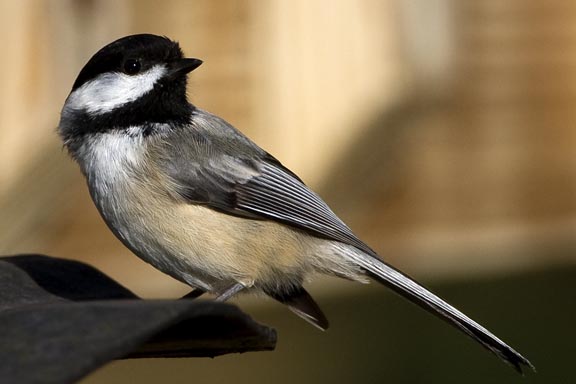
x=132, y=66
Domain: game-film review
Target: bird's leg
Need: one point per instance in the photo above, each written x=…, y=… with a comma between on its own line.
x=194, y=293
x=230, y=291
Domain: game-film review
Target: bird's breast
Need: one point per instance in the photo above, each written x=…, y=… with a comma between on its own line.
x=187, y=240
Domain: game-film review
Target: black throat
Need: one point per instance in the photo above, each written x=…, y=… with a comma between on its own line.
x=165, y=104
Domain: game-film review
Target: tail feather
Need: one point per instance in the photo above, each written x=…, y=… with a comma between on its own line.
x=302, y=304
x=410, y=289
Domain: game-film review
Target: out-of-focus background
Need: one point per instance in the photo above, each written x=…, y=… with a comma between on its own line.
x=442, y=131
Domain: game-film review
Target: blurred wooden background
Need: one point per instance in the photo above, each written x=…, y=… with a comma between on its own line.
x=443, y=131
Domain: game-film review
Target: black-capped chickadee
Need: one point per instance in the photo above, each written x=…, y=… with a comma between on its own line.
x=194, y=197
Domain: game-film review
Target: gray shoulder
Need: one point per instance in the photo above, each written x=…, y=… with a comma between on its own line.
x=207, y=159
x=228, y=139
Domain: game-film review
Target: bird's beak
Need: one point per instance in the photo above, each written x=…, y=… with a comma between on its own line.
x=182, y=67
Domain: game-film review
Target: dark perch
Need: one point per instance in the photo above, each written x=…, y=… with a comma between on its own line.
x=61, y=320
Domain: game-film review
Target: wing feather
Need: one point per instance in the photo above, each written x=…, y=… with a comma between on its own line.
x=278, y=195
x=213, y=164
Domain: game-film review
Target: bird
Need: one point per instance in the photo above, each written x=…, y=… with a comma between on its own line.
x=191, y=195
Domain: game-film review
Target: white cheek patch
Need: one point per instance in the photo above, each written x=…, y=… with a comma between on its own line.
x=112, y=90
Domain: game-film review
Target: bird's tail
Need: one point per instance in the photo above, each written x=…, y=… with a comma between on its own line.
x=416, y=293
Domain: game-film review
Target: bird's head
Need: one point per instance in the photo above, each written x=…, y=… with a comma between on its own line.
x=135, y=81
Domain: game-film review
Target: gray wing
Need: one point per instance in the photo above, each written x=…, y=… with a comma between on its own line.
x=229, y=173
x=277, y=194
